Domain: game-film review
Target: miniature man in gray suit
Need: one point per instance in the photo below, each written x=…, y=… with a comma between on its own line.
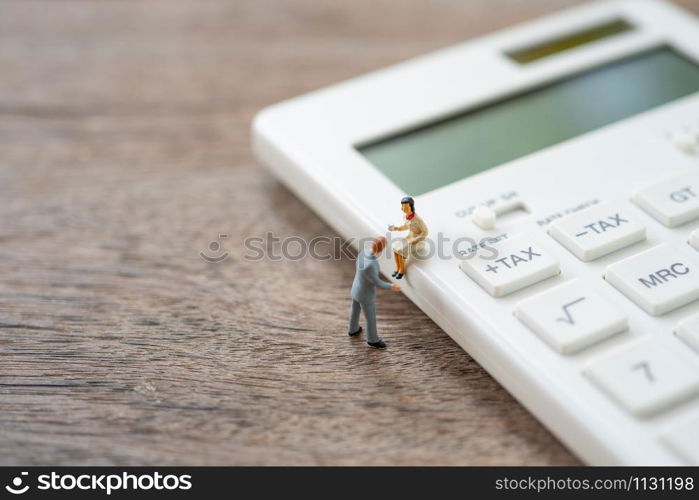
x=364, y=286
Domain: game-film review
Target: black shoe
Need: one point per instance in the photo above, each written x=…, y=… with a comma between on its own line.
x=395, y=273
x=398, y=276
x=355, y=333
x=380, y=343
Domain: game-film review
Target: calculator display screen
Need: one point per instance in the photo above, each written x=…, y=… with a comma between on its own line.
x=451, y=149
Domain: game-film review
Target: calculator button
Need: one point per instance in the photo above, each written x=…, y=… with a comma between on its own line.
x=571, y=317
x=688, y=330
x=673, y=201
x=694, y=239
x=658, y=280
x=597, y=231
x=646, y=377
x=683, y=439
x=686, y=142
x=518, y=263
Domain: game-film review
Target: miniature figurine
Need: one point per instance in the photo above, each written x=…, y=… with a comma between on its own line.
x=417, y=232
x=364, y=286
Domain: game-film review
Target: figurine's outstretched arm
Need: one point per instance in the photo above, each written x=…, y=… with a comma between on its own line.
x=372, y=274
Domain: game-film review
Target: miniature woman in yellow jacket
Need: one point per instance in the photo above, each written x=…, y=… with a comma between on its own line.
x=417, y=232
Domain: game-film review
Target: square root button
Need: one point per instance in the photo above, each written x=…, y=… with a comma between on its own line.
x=571, y=317
x=510, y=265
x=598, y=231
x=658, y=280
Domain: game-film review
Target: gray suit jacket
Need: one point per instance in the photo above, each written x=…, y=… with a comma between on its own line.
x=367, y=278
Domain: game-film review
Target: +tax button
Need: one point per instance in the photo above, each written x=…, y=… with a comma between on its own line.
x=509, y=265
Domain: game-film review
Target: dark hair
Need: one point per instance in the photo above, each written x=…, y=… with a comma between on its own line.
x=409, y=201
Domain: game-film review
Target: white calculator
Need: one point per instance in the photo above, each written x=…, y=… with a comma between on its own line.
x=580, y=132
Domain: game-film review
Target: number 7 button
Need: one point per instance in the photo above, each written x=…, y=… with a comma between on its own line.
x=647, y=376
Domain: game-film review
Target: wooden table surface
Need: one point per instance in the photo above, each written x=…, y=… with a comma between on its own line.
x=124, y=151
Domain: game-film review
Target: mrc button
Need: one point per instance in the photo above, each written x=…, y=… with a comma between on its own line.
x=510, y=265
x=658, y=280
x=598, y=231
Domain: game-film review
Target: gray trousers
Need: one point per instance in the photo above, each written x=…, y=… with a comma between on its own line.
x=370, y=317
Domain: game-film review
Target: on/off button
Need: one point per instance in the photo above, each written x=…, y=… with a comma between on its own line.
x=658, y=280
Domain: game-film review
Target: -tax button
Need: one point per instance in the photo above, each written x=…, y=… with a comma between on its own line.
x=672, y=202
x=598, y=231
x=510, y=265
x=658, y=280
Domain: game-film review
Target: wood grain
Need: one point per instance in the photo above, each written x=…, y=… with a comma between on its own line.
x=123, y=153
